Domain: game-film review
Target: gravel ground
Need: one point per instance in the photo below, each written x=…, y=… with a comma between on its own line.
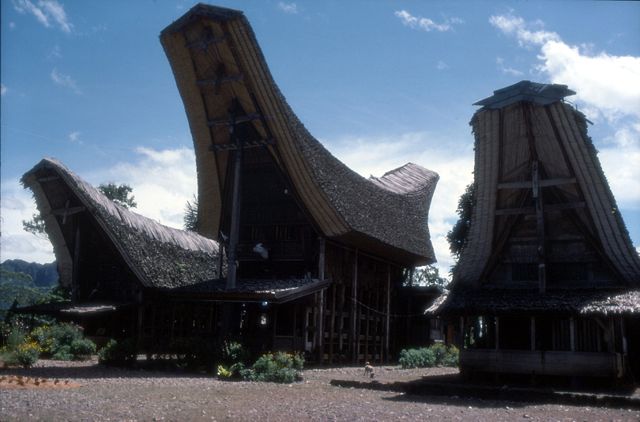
x=116, y=394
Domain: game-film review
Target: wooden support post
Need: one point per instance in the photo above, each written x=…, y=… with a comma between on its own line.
x=354, y=309
x=572, y=334
x=624, y=336
x=341, y=333
x=612, y=336
x=540, y=231
x=367, y=327
x=387, y=322
x=320, y=325
x=139, y=322
x=295, y=322
x=332, y=339
x=533, y=333
x=234, y=236
x=75, y=274
x=497, y=339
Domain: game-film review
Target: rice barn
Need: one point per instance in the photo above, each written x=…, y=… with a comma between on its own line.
x=548, y=281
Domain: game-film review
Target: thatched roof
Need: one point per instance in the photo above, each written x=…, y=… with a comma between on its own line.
x=527, y=302
x=160, y=256
x=216, y=58
x=518, y=125
x=256, y=290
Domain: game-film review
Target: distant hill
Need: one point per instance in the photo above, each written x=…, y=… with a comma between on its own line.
x=42, y=275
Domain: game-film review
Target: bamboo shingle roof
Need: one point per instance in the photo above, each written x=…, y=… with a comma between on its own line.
x=160, y=256
x=578, y=201
x=216, y=60
x=569, y=302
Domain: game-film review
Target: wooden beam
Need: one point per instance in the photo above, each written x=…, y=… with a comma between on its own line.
x=75, y=282
x=205, y=42
x=227, y=121
x=547, y=208
x=65, y=212
x=544, y=183
x=540, y=227
x=221, y=80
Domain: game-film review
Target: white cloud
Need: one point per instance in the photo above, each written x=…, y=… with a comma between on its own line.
x=290, y=8
x=453, y=164
x=506, y=69
x=3, y=89
x=441, y=65
x=162, y=182
x=608, y=86
x=426, y=24
x=64, y=81
x=75, y=137
x=55, y=53
x=17, y=205
x=620, y=159
x=47, y=12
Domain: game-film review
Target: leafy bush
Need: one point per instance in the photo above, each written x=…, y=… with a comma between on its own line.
x=63, y=353
x=279, y=367
x=117, y=353
x=27, y=353
x=233, y=352
x=58, y=340
x=427, y=357
x=82, y=348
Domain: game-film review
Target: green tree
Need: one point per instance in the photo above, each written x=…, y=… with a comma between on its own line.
x=35, y=225
x=428, y=275
x=191, y=215
x=120, y=194
x=457, y=236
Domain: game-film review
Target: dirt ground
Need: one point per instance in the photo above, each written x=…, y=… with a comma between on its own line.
x=87, y=391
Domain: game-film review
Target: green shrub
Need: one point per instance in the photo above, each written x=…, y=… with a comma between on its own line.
x=233, y=352
x=117, y=353
x=56, y=340
x=63, y=353
x=27, y=354
x=82, y=348
x=452, y=357
x=427, y=357
x=279, y=367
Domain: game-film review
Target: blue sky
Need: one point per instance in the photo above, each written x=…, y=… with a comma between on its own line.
x=380, y=83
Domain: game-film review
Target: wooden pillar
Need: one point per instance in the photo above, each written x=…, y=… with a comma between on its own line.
x=139, y=322
x=497, y=340
x=612, y=336
x=624, y=336
x=368, y=326
x=572, y=334
x=75, y=274
x=295, y=322
x=387, y=321
x=236, y=199
x=354, y=309
x=321, y=301
x=333, y=322
x=533, y=333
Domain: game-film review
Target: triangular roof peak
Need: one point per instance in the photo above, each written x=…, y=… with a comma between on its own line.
x=528, y=91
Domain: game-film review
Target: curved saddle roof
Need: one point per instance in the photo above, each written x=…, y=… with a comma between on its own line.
x=160, y=256
x=217, y=62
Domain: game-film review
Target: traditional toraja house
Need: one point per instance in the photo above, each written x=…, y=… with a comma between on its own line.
x=547, y=283
x=283, y=206
x=117, y=263
x=316, y=254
